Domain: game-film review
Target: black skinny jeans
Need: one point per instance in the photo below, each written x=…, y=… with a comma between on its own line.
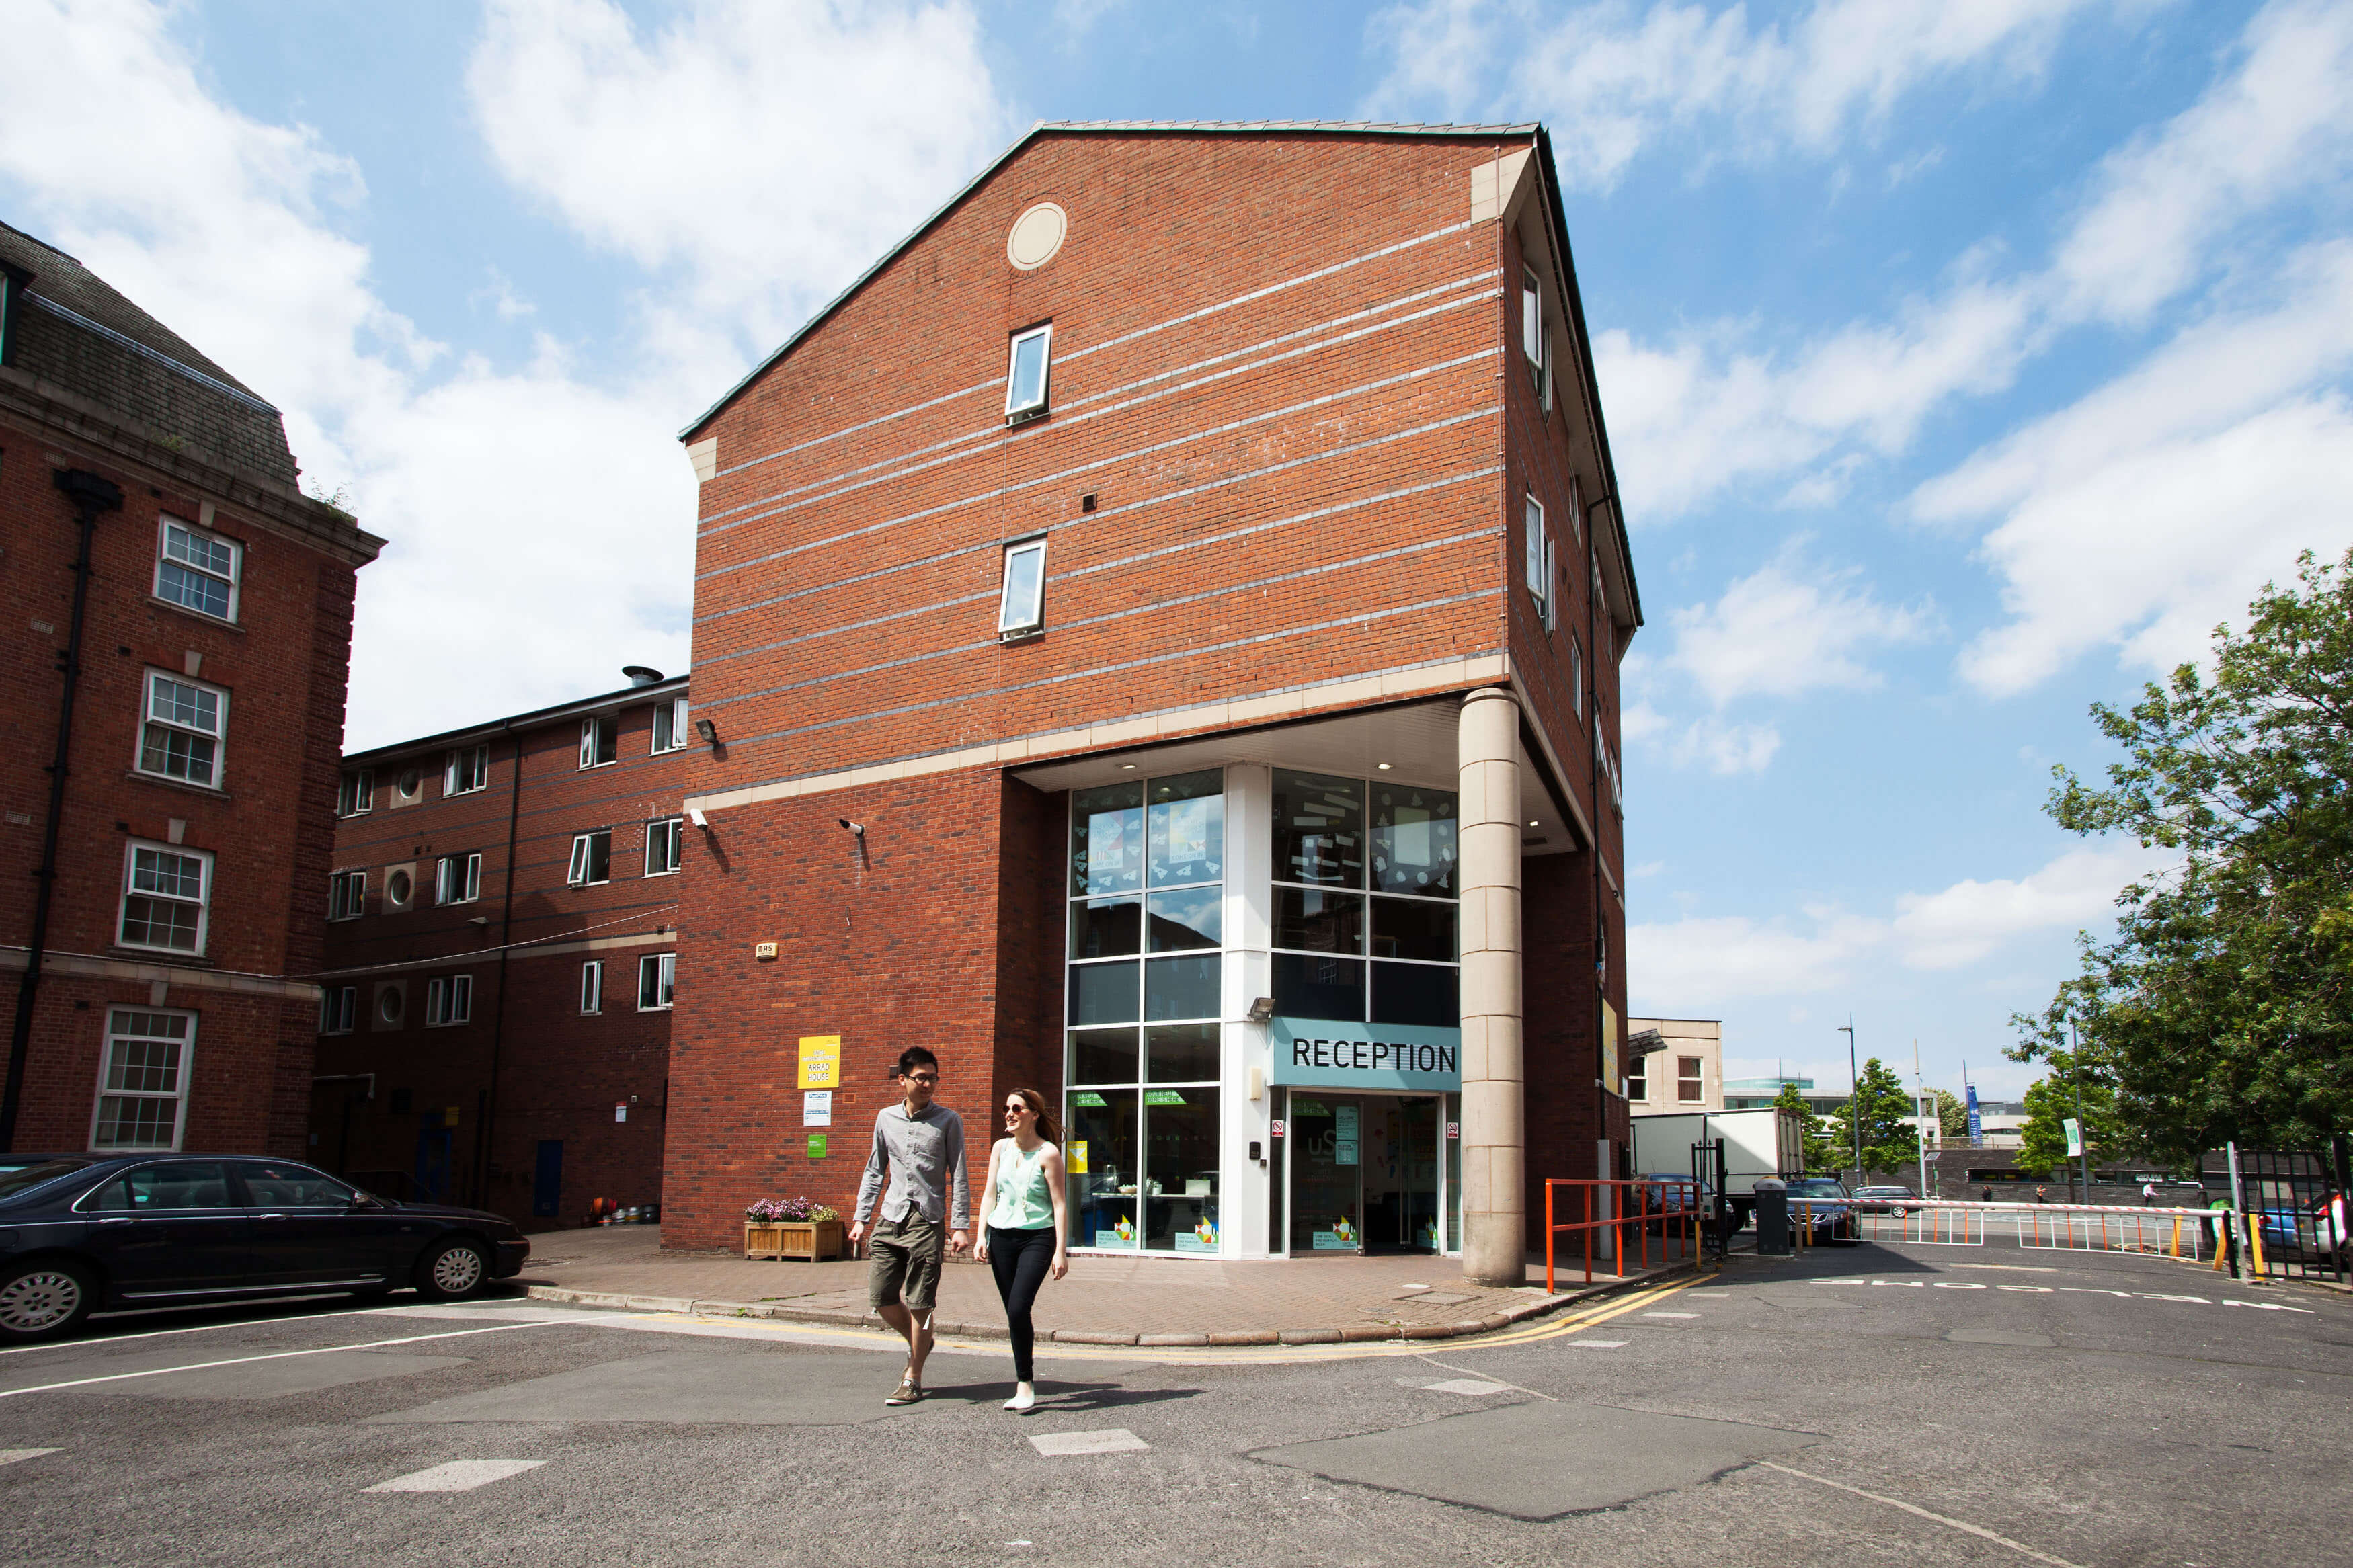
x=1020, y=1259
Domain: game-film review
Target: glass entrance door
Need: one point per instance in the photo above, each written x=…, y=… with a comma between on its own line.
x=1327, y=1199
x=1400, y=1174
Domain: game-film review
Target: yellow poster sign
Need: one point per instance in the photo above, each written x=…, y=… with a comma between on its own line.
x=1609, y=1072
x=1074, y=1157
x=820, y=1061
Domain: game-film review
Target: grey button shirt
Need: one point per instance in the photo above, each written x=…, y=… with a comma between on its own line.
x=923, y=1153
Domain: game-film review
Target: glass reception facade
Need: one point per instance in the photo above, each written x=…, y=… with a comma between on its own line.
x=1353, y=895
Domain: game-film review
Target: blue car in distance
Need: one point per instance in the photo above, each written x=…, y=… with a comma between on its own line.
x=84, y=1233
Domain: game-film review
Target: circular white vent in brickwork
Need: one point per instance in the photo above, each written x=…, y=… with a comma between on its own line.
x=1037, y=236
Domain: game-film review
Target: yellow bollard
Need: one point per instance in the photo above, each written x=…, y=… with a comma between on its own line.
x=2177, y=1237
x=2255, y=1246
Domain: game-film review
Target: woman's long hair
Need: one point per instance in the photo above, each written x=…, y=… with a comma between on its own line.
x=1048, y=1128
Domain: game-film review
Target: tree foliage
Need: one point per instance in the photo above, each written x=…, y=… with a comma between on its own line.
x=1952, y=1118
x=1814, y=1134
x=2049, y=1101
x=2224, y=1008
x=1880, y=1103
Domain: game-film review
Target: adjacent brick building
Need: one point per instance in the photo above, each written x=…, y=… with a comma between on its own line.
x=500, y=958
x=1086, y=607
x=178, y=622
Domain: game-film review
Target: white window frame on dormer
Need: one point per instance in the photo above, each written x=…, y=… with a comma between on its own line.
x=198, y=543
x=1021, y=601
x=592, y=735
x=1017, y=407
x=670, y=727
x=159, y=723
x=466, y=770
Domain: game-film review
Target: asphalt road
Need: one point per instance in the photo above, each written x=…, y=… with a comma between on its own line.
x=1862, y=1405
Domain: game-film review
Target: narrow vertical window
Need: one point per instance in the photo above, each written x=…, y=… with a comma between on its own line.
x=669, y=726
x=1531, y=324
x=180, y=733
x=657, y=982
x=1021, y=609
x=1539, y=553
x=592, y=987
x=600, y=741
x=665, y=846
x=197, y=570
x=143, y=1083
x=1575, y=676
x=338, y=1009
x=356, y=794
x=347, y=895
x=1690, y=1087
x=165, y=895
x=1025, y=376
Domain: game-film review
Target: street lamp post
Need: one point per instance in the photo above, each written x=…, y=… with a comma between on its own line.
x=1853, y=1097
x=2083, y=1137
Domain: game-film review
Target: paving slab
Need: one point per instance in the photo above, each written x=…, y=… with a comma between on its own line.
x=1542, y=1459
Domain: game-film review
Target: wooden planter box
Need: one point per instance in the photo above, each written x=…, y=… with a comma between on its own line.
x=814, y=1240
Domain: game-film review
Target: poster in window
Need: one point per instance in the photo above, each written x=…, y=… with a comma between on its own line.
x=1189, y=829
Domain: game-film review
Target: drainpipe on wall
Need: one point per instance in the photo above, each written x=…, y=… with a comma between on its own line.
x=92, y=495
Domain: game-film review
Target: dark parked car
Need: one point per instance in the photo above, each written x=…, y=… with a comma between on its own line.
x=1898, y=1201
x=1824, y=1203
x=83, y=1233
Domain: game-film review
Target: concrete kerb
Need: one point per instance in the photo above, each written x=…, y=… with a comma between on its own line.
x=1353, y=1334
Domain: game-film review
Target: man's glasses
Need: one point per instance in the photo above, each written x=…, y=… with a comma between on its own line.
x=922, y=1077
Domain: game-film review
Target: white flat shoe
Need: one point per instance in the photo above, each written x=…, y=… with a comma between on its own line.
x=1024, y=1397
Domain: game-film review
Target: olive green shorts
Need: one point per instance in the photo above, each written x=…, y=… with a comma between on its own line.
x=904, y=1259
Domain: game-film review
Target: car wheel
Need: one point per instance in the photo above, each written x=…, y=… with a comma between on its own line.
x=453, y=1270
x=41, y=1300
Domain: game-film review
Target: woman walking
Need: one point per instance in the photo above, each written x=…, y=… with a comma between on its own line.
x=1021, y=1239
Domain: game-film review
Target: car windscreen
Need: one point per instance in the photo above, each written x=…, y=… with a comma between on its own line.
x=15, y=1181
x=1816, y=1188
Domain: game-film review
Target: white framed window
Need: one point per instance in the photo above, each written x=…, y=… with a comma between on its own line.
x=1576, y=511
x=338, y=1009
x=166, y=898
x=143, y=1086
x=665, y=846
x=600, y=741
x=1538, y=556
x=592, y=987
x=197, y=570
x=1575, y=676
x=592, y=859
x=180, y=729
x=1552, y=587
x=1534, y=339
x=1021, y=606
x=466, y=770
x=347, y=895
x=457, y=878
x=355, y=796
x=657, y=980
x=1638, y=1079
x=669, y=726
x=1026, y=370
x=1690, y=1086
x=449, y=999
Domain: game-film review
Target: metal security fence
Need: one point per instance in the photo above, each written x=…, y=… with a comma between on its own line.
x=2295, y=1208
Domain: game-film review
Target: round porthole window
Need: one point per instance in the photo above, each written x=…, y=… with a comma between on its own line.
x=1037, y=235
x=388, y=1004
x=397, y=887
x=410, y=782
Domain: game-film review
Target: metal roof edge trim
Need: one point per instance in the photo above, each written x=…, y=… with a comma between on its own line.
x=675, y=685
x=1106, y=127
x=124, y=341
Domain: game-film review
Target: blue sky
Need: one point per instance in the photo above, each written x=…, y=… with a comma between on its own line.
x=1964, y=366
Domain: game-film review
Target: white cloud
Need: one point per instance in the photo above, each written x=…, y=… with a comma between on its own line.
x=1612, y=79
x=1789, y=628
x=541, y=519
x=1725, y=750
x=1969, y=919
x=765, y=154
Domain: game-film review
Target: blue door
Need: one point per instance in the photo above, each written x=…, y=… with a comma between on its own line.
x=434, y=1140
x=547, y=1180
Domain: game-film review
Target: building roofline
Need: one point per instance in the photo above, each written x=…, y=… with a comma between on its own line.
x=675, y=685
x=1106, y=127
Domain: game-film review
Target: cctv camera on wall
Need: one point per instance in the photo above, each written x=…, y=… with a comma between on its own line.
x=857, y=829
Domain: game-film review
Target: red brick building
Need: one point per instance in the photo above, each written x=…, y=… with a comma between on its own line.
x=1089, y=607
x=179, y=616
x=500, y=958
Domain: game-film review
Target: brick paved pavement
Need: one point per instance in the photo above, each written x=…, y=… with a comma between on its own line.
x=1103, y=1300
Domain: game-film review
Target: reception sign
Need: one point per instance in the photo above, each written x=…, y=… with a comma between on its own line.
x=1364, y=1056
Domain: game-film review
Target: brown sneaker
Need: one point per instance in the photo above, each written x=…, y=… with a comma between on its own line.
x=909, y=1393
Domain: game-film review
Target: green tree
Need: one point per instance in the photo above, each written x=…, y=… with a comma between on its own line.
x=2224, y=1008
x=1813, y=1133
x=1880, y=1103
x=2049, y=1101
x=1952, y=1118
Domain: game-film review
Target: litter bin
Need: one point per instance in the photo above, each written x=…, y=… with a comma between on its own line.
x=1772, y=1217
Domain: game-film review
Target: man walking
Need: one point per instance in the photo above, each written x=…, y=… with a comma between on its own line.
x=2148, y=1193
x=921, y=1144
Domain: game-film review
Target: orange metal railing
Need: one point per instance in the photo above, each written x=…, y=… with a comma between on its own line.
x=1670, y=1206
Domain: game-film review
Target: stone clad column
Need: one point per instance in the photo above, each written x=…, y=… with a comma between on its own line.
x=1494, y=1129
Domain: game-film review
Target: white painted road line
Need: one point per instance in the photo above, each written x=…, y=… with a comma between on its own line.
x=457, y=1476
x=196, y=1328
x=2058, y=1290
x=1110, y=1440
x=1599, y=1344
x=273, y=1355
x=1470, y=1386
x=12, y=1456
x=1670, y=1314
x=1978, y=1531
